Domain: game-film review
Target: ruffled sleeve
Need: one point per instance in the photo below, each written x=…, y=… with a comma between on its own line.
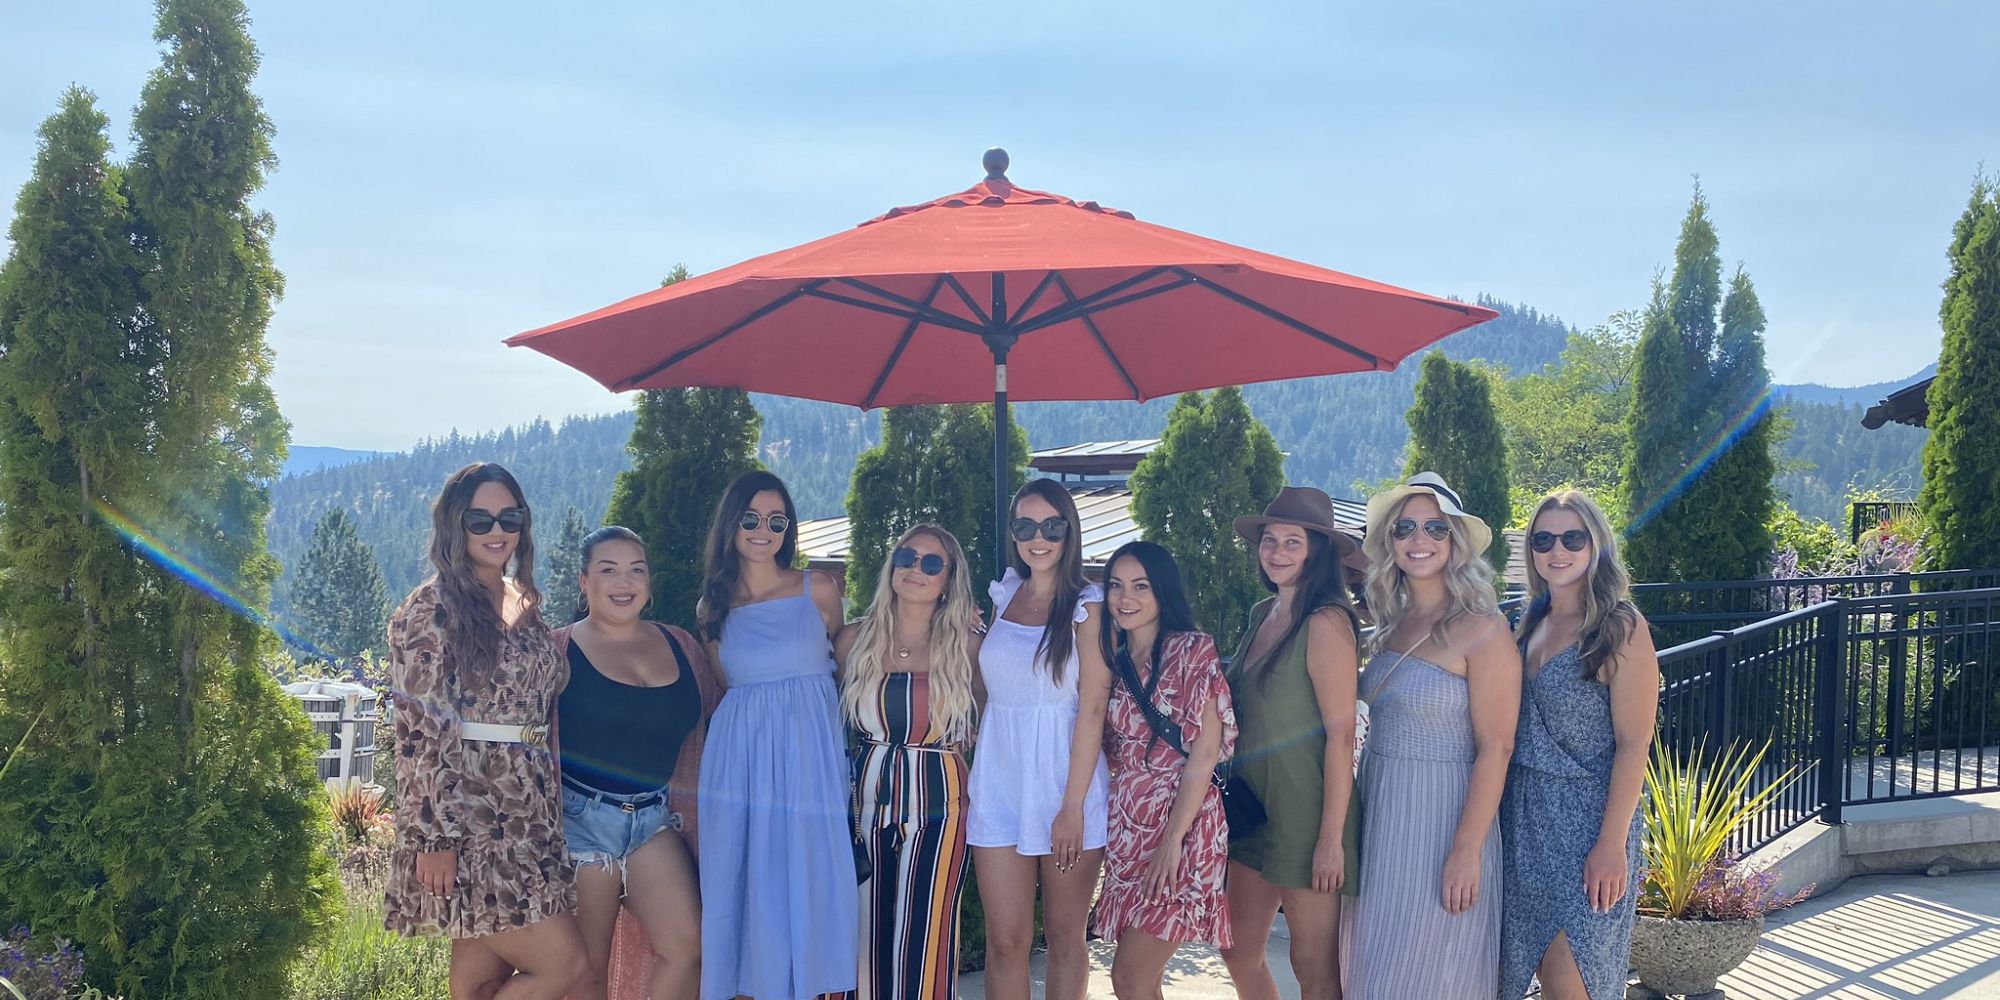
x=1198, y=669
x=1092, y=594
x=1001, y=591
x=429, y=757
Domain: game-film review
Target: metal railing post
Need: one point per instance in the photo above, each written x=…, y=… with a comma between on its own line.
x=1829, y=680
x=1720, y=728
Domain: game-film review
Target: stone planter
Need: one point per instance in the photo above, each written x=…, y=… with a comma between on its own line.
x=1684, y=957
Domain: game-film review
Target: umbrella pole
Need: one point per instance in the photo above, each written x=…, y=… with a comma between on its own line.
x=999, y=342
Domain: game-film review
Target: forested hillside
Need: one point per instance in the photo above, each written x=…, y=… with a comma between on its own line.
x=1336, y=431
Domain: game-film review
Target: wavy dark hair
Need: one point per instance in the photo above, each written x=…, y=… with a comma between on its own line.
x=721, y=568
x=1322, y=584
x=1057, y=642
x=472, y=625
x=1164, y=574
x=608, y=533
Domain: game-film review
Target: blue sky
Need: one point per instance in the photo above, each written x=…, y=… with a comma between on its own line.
x=454, y=173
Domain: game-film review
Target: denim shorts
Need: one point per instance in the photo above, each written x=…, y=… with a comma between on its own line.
x=600, y=829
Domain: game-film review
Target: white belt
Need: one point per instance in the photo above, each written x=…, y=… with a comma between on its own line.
x=492, y=732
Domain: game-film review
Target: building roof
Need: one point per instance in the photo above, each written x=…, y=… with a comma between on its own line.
x=1096, y=458
x=1908, y=405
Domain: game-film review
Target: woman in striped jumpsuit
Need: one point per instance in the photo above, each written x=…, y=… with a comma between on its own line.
x=907, y=692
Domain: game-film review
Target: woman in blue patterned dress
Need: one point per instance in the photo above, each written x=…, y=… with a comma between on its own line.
x=1570, y=819
x=777, y=867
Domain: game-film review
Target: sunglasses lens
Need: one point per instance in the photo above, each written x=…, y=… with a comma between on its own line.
x=1575, y=540
x=1437, y=529
x=778, y=523
x=1403, y=528
x=1542, y=541
x=903, y=558
x=477, y=521
x=932, y=565
x=512, y=520
x=1022, y=529
x=1055, y=529
x=749, y=521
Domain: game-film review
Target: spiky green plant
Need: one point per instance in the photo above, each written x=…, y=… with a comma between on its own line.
x=1692, y=809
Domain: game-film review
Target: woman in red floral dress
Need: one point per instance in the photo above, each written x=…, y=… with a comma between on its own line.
x=1169, y=845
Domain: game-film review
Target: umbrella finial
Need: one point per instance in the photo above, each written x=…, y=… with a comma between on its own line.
x=995, y=162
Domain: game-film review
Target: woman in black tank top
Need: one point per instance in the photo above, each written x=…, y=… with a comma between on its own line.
x=633, y=704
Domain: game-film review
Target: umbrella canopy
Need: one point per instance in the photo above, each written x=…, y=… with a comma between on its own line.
x=940, y=302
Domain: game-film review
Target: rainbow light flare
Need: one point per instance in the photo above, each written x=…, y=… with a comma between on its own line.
x=202, y=579
x=1732, y=430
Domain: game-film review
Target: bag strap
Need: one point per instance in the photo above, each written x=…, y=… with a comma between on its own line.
x=1128, y=674
x=1379, y=688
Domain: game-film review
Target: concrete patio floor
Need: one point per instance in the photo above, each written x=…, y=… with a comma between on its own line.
x=1878, y=937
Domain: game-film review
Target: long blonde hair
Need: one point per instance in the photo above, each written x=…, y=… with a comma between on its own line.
x=1609, y=616
x=1468, y=580
x=952, y=621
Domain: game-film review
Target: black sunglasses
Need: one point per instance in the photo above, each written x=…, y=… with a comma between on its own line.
x=1053, y=529
x=479, y=522
x=777, y=523
x=906, y=557
x=1575, y=539
x=1438, y=528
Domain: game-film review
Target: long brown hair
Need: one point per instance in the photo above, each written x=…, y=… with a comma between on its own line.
x=472, y=625
x=1059, y=632
x=1322, y=584
x=720, y=565
x=1609, y=616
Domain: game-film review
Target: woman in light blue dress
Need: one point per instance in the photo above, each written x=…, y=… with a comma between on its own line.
x=1570, y=819
x=778, y=915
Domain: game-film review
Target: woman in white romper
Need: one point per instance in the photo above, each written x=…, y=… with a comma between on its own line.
x=1037, y=817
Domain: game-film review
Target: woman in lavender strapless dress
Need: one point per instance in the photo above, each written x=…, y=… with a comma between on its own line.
x=778, y=915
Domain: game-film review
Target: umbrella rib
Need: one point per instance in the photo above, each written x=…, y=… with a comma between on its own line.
x=1062, y=314
x=943, y=319
x=1091, y=325
x=966, y=297
x=868, y=401
x=916, y=308
x=1264, y=310
x=1040, y=287
x=687, y=352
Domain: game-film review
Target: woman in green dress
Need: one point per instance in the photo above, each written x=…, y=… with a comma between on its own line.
x=1294, y=684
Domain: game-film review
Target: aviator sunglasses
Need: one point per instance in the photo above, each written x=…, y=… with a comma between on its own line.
x=777, y=523
x=1438, y=528
x=1053, y=529
x=479, y=522
x=932, y=564
x=1575, y=539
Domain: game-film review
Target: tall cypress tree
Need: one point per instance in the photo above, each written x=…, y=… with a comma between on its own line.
x=1699, y=462
x=686, y=446
x=1215, y=462
x=933, y=464
x=338, y=598
x=1961, y=457
x=190, y=809
x=559, y=595
x=1455, y=432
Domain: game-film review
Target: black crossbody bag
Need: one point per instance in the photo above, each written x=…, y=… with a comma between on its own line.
x=1240, y=805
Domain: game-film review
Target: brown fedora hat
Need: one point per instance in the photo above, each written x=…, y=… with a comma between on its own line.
x=1301, y=506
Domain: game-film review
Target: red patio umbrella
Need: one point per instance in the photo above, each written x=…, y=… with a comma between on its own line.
x=940, y=302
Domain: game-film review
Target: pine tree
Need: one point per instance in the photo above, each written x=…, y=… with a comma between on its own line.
x=1961, y=458
x=1215, y=463
x=1655, y=444
x=1737, y=491
x=1455, y=432
x=934, y=463
x=687, y=445
x=1701, y=431
x=559, y=595
x=338, y=599
x=171, y=800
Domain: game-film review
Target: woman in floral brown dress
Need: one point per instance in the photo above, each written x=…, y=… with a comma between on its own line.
x=479, y=850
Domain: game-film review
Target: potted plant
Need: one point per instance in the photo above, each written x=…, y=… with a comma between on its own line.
x=1701, y=911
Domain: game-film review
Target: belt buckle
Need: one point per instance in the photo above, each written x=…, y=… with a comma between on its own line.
x=535, y=736
x=627, y=807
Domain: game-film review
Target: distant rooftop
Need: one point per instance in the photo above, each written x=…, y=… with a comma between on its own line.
x=1908, y=405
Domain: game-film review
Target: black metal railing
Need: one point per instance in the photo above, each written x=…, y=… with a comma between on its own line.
x=1867, y=698
x=1683, y=612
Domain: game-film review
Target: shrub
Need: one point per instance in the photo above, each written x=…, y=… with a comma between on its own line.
x=357, y=810
x=361, y=960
